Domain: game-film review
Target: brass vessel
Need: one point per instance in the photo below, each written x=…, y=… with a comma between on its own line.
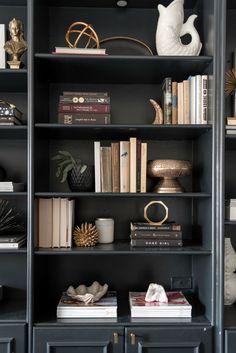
x=168, y=170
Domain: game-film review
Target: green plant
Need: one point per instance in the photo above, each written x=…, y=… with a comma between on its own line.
x=65, y=163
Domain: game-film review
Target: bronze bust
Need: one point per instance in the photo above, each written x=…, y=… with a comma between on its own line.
x=16, y=46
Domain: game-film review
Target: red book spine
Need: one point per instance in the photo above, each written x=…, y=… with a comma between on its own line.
x=83, y=108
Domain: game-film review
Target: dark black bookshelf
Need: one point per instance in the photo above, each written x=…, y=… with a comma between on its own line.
x=13, y=80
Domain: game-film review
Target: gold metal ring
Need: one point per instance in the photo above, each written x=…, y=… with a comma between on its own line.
x=161, y=221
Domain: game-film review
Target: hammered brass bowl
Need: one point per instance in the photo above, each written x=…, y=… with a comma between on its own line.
x=168, y=170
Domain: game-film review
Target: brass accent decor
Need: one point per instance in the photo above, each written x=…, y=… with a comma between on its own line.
x=85, y=34
x=86, y=235
x=164, y=218
x=168, y=170
x=230, y=82
x=159, y=119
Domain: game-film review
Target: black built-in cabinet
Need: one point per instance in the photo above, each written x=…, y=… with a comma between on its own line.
x=35, y=278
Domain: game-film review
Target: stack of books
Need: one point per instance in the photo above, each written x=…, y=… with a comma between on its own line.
x=12, y=241
x=120, y=167
x=231, y=126
x=148, y=235
x=55, y=222
x=177, y=306
x=80, y=51
x=84, y=108
x=9, y=114
x=186, y=102
x=9, y=186
x=106, y=307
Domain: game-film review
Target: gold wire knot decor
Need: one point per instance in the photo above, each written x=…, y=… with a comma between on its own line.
x=82, y=34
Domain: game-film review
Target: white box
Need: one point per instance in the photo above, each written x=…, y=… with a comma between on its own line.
x=2, y=43
x=230, y=213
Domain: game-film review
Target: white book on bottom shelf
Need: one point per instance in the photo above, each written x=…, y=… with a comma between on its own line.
x=72, y=308
x=177, y=306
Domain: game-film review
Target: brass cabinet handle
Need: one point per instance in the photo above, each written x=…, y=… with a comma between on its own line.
x=115, y=338
x=132, y=338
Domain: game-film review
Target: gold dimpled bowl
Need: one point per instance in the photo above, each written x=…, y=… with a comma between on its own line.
x=168, y=170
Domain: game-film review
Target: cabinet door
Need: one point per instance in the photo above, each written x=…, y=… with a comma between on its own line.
x=78, y=340
x=169, y=340
x=12, y=338
x=230, y=341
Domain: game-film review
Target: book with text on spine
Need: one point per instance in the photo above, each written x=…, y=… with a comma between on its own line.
x=177, y=306
x=152, y=243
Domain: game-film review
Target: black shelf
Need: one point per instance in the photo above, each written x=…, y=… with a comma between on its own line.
x=110, y=3
x=22, y=250
x=13, y=194
x=13, y=2
x=230, y=316
x=120, y=194
x=13, y=80
x=232, y=223
x=161, y=132
x=12, y=311
x=119, y=248
x=13, y=132
x=118, y=69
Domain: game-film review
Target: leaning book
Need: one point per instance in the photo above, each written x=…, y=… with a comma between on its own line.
x=72, y=308
x=177, y=306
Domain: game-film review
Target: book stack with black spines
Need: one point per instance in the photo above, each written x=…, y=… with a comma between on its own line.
x=9, y=114
x=148, y=235
x=84, y=108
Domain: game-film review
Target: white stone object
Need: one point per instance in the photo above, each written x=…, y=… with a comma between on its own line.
x=230, y=276
x=170, y=29
x=157, y=293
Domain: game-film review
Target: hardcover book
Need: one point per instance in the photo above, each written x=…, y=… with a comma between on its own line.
x=147, y=226
x=2, y=42
x=72, y=308
x=84, y=108
x=155, y=234
x=84, y=99
x=106, y=177
x=84, y=51
x=177, y=306
x=152, y=243
x=84, y=119
x=167, y=100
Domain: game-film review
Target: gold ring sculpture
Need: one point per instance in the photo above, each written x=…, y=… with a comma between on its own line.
x=161, y=221
x=86, y=31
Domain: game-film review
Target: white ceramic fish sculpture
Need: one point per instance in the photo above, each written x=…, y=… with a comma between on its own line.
x=170, y=29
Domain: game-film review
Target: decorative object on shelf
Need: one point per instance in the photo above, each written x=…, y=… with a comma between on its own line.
x=156, y=293
x=85, y=36
x=170, y=29
x=159, y=113
x=10, y=219
x=168, y=170
x=124, y=45
x=105, y=228
x=230, y=84
x=88, y=294
x=86, y=235
x=9, y=114
x=230, y=275
x=80, y=177
x=16, y=46
x=155, y=222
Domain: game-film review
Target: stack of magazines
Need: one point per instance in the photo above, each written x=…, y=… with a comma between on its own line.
x=177, y=306
x=72, y=308
x=12, y=241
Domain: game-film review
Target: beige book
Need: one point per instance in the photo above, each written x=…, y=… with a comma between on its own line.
x=143, y=187
x=174, y=102
x=115, y=166
x=124, y=166
x=64, y=224
x=70, y=210
x=231, y=120
x=133, y=164
x=45, y=223
x=186, y=106
x=106, y=179
x=97, y=167
x=56, y=211
x=180, y=103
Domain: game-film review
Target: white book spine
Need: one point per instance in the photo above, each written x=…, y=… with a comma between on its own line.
x=198, y=95
x=97, y=166
x=2, y=43
x=63, y=224
x=143, y=182
x=192, y=100
x=56, y=210
x=70, y=221
x=124, y=166
x=45, y=223
x=204, y=99
x=133, y=164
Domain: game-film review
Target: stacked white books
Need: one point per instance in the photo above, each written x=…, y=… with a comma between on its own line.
x=81, y=51
x=9, y=186
x=106, y=307
x=177, y=306
x=12, y=241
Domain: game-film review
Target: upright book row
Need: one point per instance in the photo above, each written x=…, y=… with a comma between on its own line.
x=55, y=222
x=120, y=167
x=186, y=102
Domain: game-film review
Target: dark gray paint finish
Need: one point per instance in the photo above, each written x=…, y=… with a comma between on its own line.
x=12, y=338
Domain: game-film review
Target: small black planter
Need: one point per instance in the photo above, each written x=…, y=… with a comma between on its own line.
x=81, y=182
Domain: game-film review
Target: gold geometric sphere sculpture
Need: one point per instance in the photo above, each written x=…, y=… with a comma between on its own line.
x=82, y=34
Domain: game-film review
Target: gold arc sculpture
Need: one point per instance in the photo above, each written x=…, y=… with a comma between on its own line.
x=86, y=30
x=164, y=218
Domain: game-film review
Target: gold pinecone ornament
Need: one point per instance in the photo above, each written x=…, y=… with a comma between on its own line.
x=85, y=235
